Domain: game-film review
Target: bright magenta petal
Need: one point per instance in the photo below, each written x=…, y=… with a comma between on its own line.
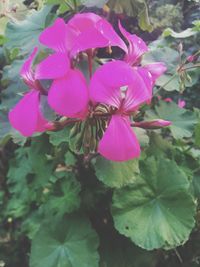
x=113, y=38
x=147, y=78
x=56, y=36
x=93, y=32
x=26, y=116
x=137, y=46
x=139, y=91
x=81, y=22
x=68, y=96
x=107, y=80
x=119, y=142
x=91, y=38
x=156, y=69
x=26, y=70
x=54, y=66
x=42, y=123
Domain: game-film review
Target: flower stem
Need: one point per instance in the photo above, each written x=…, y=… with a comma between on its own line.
x=59, y=125
x=162, y=86
x=89, y=54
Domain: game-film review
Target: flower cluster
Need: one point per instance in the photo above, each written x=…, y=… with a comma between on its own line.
x=107, y=102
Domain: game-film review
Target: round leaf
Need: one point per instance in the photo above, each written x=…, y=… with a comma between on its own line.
x=182, y=120
x=157, y=210
x=68, y=243
x=116, y=174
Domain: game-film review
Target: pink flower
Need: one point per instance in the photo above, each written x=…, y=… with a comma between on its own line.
x=26, y=116
x=121, y=87
x=181, y=103
x=115, y=84
x=135, y=51
x=82, y=32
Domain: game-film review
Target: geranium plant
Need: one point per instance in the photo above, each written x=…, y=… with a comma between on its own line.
x=100, y=136
x=114, y=93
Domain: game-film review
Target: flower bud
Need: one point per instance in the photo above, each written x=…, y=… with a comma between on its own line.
x=154, y=124
x=181, y=103
x=191, y=58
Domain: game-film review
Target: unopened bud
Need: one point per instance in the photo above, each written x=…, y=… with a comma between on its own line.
x=191, y=58
x=181, y=103
x=154, y=124
x=168, y=99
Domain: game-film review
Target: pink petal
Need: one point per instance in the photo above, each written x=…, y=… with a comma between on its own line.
x=93, y=32
x=119, y=142
x=59, y=36
x=69, y=95
x=91, y=38
x=107, y=80
x=26, y=70
x=137, y=46
x=107, y=30
x=139, y=91
x=147, y=78
x=156, y=69
x=42, y=123
x=81, y=22
x=26, y=116
x=52, y=67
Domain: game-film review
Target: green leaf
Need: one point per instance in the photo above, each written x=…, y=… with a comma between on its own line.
x=164, y=54
x=184, y=34
x=5, y=128
x=59, y=137
x=66, y=201
x=70, y=242
x=133, y=8
x=24, y=34
x=143, y=19
x=118, y=251
x=168, y=82
x=183, y=121
x=197, y=134
x=196, y=184
x=91, y=3
x=70, y=159
x=19, y=168
x=141, y=136
x=159, y=145
x=15, y=87
x=38, y=156
x=3, y=23
x=63, y=6
x=157, y=210
x=116, y=174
